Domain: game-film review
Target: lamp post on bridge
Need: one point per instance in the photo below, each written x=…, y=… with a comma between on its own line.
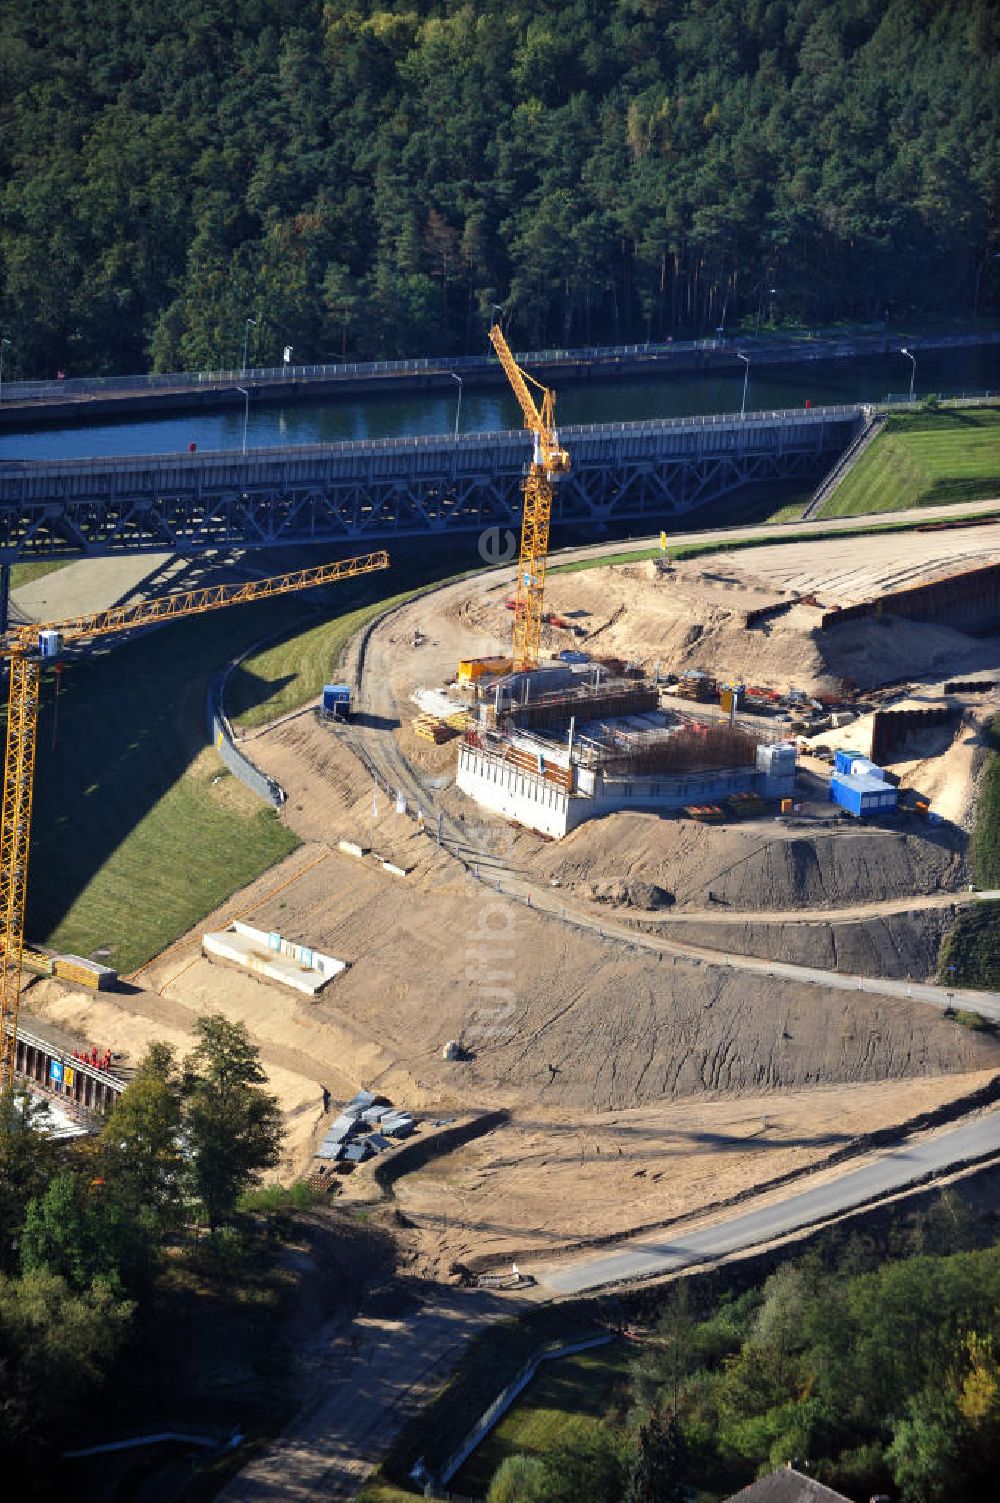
x=746, y=378
x=3, y=345
x=913, y=371
x=251, y=323
x=245, y=391
x=458, y=409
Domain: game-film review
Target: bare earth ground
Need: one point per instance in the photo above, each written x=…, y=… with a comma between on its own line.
x=641, y=1086
x=692, y=615
x=543, y=1184
x=586, y=1040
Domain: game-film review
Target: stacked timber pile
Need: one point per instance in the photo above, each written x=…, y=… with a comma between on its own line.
x=430, y=728
x=439, y=728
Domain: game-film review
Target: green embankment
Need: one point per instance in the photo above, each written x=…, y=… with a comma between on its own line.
x=924, y=459
x=139, y=830
x=22, y=574
x=569, y=1398
x=972, y=945
x=292, y=671
x=681, y=551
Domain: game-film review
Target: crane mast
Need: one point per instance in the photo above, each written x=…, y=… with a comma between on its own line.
x=29, y=648
x=549, y=462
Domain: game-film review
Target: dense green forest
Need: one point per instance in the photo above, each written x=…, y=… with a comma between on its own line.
x=873, y=1375
x=367, y=179
x=100, y=1252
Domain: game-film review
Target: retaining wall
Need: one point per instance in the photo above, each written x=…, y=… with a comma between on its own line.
x=241, y=766
x=963, y=600
x=890, y=728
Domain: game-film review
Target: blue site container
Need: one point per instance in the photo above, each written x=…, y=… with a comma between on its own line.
x=337, y=699
x=861, y=795
x=842, y=760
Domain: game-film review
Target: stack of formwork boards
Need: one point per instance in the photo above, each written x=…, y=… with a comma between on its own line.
x=430, y=728
x=706, y=813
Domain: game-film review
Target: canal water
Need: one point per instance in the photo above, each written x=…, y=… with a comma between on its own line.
x=617, y=399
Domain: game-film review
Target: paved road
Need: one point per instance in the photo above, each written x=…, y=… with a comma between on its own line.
x=890, y=1171
x=371, y=1376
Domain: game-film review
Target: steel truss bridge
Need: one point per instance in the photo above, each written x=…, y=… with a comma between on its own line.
x=377, y=490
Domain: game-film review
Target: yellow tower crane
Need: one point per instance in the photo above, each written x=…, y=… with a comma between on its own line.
x=29, y=649
x=549, y=463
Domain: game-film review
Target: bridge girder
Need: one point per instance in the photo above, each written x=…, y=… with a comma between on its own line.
x=347, y=493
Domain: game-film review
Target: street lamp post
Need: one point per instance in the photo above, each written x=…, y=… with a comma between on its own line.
x=3, y=345
x=913, y=371
x=251, y=323
x=458, y=408
x=245, y=391
x=746, y=378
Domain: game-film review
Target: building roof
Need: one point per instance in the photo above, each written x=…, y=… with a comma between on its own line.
x=787, y=1486
x=863, y=782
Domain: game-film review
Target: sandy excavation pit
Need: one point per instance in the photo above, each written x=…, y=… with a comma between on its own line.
x=692, y=614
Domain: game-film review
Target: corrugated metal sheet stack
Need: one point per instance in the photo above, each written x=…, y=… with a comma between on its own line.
x=346, y=1140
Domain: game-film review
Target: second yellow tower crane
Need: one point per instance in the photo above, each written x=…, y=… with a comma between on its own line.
x=28, y=649
x=549, y=463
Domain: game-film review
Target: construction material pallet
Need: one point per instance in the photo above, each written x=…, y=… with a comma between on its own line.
x=430, y=728
x=706, y=813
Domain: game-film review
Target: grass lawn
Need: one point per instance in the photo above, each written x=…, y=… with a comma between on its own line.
x=567, y=1398
x=924, y=459
x=292, y=671
x=22, y=574
x=488, y=1364
x=377, y=1490
x=138, y=831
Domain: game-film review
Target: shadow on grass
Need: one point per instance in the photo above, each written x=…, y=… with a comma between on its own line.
x=125, y=728
x=246, y=690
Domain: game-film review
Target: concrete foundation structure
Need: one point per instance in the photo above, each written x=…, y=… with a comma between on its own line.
x=77, y=1085
x=268, y=954
x=532, y=800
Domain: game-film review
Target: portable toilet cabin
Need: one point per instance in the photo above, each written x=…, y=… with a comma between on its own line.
x=336, y=701
x=862, y=795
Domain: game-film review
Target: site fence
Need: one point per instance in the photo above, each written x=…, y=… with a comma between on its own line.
x=496, y=1411
x=239, y=765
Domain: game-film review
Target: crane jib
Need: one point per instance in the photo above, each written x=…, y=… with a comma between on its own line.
x=29, y=648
